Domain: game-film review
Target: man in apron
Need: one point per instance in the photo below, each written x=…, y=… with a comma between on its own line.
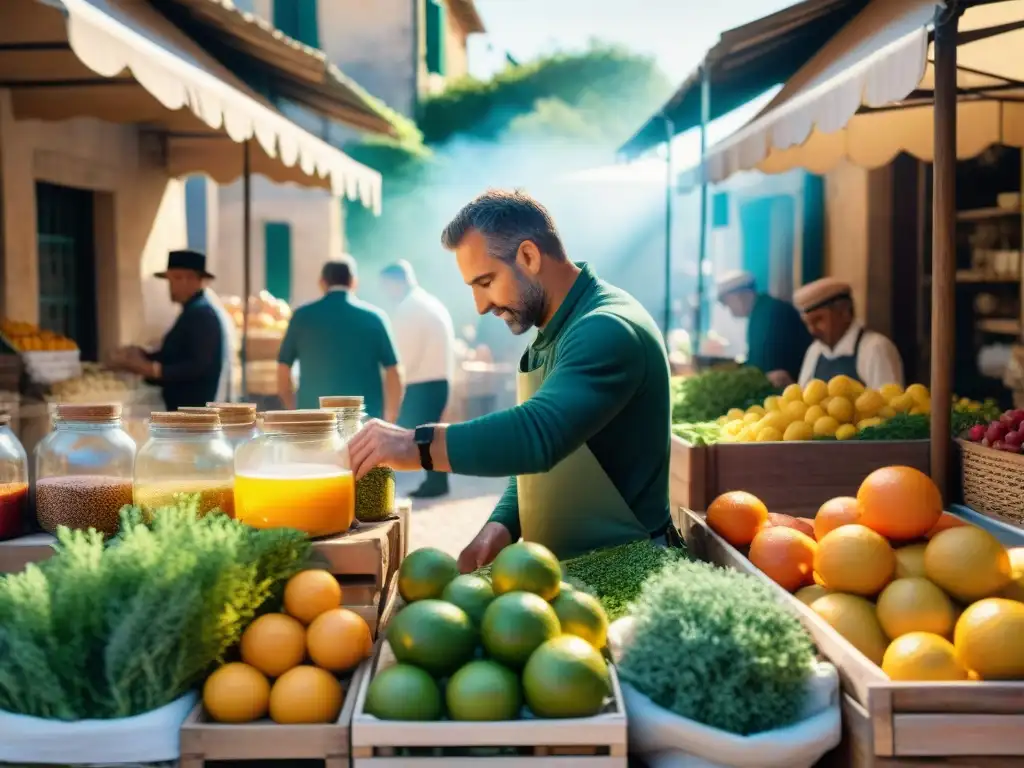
x=587, y=447
x=843, y=346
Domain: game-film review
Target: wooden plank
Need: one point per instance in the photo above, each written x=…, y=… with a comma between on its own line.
x=582, y=761
x=688, y=475
x=990, y=698
x=364, y=551
x=958, y=734
x=15, y=554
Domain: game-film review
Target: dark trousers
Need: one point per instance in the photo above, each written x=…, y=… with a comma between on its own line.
x=424, y=402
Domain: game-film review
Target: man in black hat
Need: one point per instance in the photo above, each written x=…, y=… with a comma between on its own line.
x=187, y=367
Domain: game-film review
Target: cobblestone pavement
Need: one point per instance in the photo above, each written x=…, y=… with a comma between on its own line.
x=451, y=522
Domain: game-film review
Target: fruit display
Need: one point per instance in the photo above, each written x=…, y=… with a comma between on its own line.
x=27, y=337
x=1005, y=433
x=519, y=643
x=265, y=312
x=706, y=396
x=290, y=661
x=96, y=384
x=918, y=591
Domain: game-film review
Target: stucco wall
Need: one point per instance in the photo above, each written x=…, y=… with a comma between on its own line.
x=139, y=217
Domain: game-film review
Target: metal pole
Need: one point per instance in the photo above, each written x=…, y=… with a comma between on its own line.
x=670, y=131
x=705, y=118
x=246, y=261
x=944, y=238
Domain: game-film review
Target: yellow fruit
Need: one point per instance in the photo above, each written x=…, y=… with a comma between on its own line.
x=902, y=403
x=854, y=618
x=910, y=561
x=814, y=413
x=824, y=403
x=746, y=435
x=236, y=693
x=795, y=410
x=807, y=595
x=721, y=421
x=732, y=429
x=339, y=640
x=968, y=562
x=922, y=656
x=734, y=414
x=988, y=639
x=919, y=393
x=846, y=432
x=842, y=386
x=855, y=559
x=841, y=409
x=305, y=695
x=886, y=412
x=870, y=403
x=309, y=593
x=923, y=408
x=1015, y=589
x=776, y=420
x=769, y=435
x=793, y=394
x=826, y=426
x=798, y=430
x=889, y=391
x=914, y=605
x=274, y=643
x=751, y=418
x=872, y=422
x=773, y=403
x=756, y=409
x=815, y=391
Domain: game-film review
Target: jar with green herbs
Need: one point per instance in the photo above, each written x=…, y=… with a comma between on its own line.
x=375, y=491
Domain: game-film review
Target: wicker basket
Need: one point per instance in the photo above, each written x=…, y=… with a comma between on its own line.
x=993, y=482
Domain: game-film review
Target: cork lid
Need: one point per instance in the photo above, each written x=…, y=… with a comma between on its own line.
x=196, y=409
x=304, y=421
x=341, y=401
x=190, y=421
x=92, y=413
x=235, y=414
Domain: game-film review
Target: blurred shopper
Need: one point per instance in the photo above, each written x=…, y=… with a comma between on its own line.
x=776, y=337
x=343, y=347
x=189, y=364
x=225, y=391
x=426, y=341
x=843, y=346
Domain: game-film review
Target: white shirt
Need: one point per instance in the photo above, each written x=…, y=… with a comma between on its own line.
x=878, y=361
x=425, y=338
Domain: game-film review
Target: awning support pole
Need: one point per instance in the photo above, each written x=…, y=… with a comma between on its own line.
x=705, y=118
x=944, y=239
x=246, y=261
x=670, y=132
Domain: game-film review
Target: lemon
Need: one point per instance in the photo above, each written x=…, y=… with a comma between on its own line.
x=846, y=432
x=722, y=421
x=796, y=410
x=751, y=418
x=902, y=403
x=826, y=426
x=775, y=420
x=921, y=408
x=886, y=412
x=919, y=393
x=792, y=393
x=773, y=403
x=968, y=562
x=870, y=403
x=769, y=435
x=814, y=413
x=815, y=391
x=915, y=605
x=987, y=639
x=841, y=409
x=807, y=595
x=842, y=386
x=798, y=430
x=922, y=656
x=734, y=414
x=889, y=391
x=746, y=435
x=732, y=429
x=910, y=561
x=872, y=422
x=756, y=409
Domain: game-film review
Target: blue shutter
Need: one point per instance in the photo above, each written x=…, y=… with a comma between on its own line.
x=298, y=20
x=277, y=254
x=436, y=35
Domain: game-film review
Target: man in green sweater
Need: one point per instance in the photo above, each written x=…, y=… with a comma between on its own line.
x=587, y=447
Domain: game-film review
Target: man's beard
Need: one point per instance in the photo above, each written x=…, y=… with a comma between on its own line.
x=529, y=312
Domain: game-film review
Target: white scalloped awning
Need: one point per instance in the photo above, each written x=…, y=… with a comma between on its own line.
x=115, y=37
x=867, y=95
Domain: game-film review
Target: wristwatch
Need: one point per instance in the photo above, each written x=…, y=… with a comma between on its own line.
x=423, y=437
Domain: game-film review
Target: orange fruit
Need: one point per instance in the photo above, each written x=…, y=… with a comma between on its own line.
x=946, y=520
x=968, y=562
x=801, y=524
x=785, y=556
x=922, y=656
x=855, y=559
x=901, y=503
x=236, y=693
x=833, y=513
x=338, y=640
x=273, y=644
x=309, y=593
x=915, y=605
x=1015, y=589
x=306, y=695
x=854, y=618
x=737, y=516
x=987, y=639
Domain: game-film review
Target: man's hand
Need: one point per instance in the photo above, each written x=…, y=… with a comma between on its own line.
x=493, y=538
x=779, y=379
x=380, y=443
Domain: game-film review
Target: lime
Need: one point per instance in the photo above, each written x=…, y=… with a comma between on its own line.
x=471, y=593
x=515, y=624
x=526, y=567
x=434, y=635
x=566, y=677
x=425, y=573
x=484, y=690
x=582, y=615
x=404, y=692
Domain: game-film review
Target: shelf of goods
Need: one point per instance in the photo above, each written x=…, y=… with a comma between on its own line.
x=889, y=724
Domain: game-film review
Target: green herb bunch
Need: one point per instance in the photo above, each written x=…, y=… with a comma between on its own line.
x=713, y=645
x=708, y=395
x=917, y=426
x=107, y=630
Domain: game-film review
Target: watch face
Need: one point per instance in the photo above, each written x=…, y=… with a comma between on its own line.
x=424, y=435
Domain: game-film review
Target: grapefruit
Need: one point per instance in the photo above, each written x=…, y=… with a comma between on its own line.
x=309, y=593
x=236, y=693
x=304, y=695
x=273, y=644
x=968, y=562
x=841, y=510
x=566, y=677
x=855, y=559
x=434, y=635
x=581, y=614
x=526, y=567
x=923, y=657
x=515, y=624
x=425, y=573
x=404, y=692
x=471, y=593
x=910, y=561
x=987, y=639
x=484, y=690
x=737, y=516
x=854, y=618
x=900, y=503
x=915, y=605
x=338, y=640
x=784, y=555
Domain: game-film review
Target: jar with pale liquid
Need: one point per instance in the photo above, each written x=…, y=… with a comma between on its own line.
x=186, y=453
x=295, y=475
x=13, y=483
x=375, y=491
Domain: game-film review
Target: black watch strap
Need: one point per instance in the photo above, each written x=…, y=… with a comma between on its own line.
x=423, y=437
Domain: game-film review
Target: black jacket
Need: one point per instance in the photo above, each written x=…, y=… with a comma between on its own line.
x=191, y=356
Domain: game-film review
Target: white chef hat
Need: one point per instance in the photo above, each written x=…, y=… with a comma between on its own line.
x=736, y=280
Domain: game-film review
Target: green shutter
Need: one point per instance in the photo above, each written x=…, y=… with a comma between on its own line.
x=277, y=254
x=436, y=36
x=297, y=19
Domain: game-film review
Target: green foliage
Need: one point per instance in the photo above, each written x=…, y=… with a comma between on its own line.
x=711, y=394
x=917, y=426
x=701, y=433
x=117, y=629
x=713, y=645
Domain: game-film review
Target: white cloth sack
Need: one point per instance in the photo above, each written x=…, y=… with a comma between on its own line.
x=667, y=740
x=148, y=738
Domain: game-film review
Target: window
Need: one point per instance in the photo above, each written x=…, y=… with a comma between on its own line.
x=297, y=19
x=437, y=28
x=277, y=255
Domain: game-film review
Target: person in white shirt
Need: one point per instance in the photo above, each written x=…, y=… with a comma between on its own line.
x=426, y=351
x=842, y=345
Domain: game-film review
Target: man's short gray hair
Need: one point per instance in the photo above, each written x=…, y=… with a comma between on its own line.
x=506, y=219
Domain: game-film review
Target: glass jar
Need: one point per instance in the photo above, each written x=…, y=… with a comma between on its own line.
x=375, y=491
x=238, y=420
x=186, y=453
x=13, y=482
x=295, y=475
x=84, y=469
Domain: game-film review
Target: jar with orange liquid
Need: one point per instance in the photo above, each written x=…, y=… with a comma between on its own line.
x=186, y=453
x=296, y=475
x=13, y=482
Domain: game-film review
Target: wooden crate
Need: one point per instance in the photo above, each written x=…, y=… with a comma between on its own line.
x=15, y=554
x=825, y=469
x=596, y=742
x=369, y=552
x=888, y=724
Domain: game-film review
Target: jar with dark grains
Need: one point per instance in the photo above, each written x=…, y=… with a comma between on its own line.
x=13, y=483
x=84, y=469
x=375, y=491
x=186, y=453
